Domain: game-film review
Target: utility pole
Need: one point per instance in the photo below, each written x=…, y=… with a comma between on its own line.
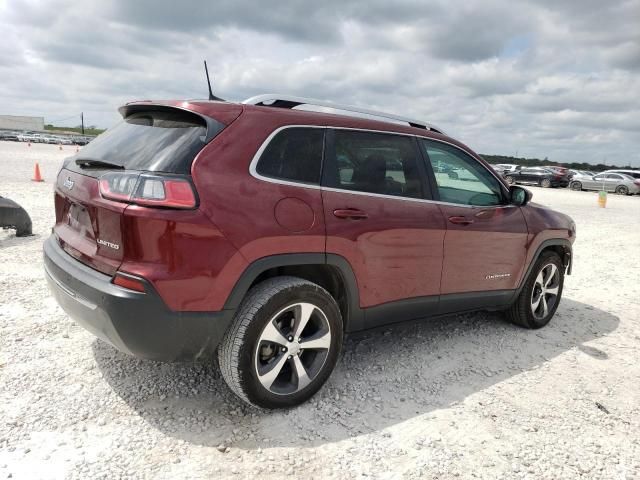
x=82, y=121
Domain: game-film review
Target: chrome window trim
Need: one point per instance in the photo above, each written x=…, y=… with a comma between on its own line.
x=256, y=157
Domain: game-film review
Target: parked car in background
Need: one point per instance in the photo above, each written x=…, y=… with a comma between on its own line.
x=505, y=168
x=581, y=173
x=509, y=167
x=631, y=173
x=537, y=176
x=611, y=182
x=9, y=136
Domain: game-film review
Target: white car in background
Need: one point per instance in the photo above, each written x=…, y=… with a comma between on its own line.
x=508, y=167
x=610, y=182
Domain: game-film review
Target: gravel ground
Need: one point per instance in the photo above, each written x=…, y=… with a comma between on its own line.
x=460, y=397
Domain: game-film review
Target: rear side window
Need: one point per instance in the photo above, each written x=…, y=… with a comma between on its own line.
x=294, y=154
x=375, y=163
x=157, y=141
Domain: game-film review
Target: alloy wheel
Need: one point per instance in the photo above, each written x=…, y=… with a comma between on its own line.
x=545, y=291
x=292, y=348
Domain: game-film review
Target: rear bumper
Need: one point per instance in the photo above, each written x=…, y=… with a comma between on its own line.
x=139, y=324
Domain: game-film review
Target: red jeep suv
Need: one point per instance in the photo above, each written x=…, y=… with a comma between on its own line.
x=266, y=232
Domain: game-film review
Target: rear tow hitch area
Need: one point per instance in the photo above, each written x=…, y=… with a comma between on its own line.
x=14, y=216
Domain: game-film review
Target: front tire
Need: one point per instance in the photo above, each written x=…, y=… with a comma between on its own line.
x=283, y=343
x=576, y=186
x=510, y=180
x=537, y=302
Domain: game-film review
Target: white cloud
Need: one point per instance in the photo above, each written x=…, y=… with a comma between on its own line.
x=549, y=78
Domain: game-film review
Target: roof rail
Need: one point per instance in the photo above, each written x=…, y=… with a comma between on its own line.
x=288, y=101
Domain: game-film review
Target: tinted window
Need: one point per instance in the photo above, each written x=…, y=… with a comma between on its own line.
x=375, y=163
x=158, y=141
x=294, y=154
x=460, y=178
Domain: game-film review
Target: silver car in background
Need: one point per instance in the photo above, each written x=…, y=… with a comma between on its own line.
x=632, y=173
x=611, y=182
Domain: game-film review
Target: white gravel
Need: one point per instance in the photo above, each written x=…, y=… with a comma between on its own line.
x=461, y=397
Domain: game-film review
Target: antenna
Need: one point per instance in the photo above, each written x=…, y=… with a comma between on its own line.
x=211, y=95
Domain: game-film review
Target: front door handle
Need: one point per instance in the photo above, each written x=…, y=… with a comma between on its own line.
x=461, y=220
x=352, y=213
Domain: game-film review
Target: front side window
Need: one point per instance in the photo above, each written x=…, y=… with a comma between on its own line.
x=460, y=178
x=375, y=163
x=294, y=154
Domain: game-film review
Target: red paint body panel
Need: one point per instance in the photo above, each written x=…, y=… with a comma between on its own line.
x=242, y=206
x=83, y=216
x=395, y=253
x=545, y=224
x=183, y=255
x=495, y=243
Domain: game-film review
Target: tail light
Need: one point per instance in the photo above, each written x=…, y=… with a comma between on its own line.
x=637, y=181
x=148, y=189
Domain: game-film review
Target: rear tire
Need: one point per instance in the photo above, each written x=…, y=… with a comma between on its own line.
x=540, y=296
x=509, y=179
x=283, y=343
x=545, y=183
x=576, y=186
x=622, y=190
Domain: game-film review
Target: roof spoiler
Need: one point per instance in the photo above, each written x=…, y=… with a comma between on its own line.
x=213, y=126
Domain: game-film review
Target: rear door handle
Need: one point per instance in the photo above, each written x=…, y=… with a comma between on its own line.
x=461, y=220
x=352, y=213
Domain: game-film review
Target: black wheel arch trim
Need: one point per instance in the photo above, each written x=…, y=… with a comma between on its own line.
x=354, y=319
x=567, y=259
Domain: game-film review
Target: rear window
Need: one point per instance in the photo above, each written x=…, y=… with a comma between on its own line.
x=294, y=154
x=156, y=141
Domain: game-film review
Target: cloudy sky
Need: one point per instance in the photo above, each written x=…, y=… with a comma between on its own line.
x=543, y=78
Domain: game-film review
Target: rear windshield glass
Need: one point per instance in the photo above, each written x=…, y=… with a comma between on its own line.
x=157, y=141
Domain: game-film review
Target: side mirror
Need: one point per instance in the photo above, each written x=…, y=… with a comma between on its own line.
x=519, y=196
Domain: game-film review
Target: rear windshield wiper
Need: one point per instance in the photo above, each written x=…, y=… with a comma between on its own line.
x=94, y=163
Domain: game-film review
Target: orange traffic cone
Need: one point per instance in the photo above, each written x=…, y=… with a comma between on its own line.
x=36, y=176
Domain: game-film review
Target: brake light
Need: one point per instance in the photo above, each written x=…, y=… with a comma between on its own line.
x=149, y=190
x=637, y=182
x=130, y=282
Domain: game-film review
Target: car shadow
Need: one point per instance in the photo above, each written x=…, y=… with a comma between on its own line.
x=8, y=238
x=384, y=377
